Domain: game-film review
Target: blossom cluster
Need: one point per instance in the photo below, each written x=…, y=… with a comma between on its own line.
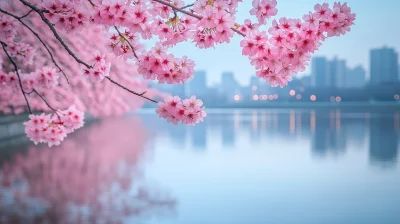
x=215, y=26
x=287, y=50
x=166, y=68
x=263, y=10
x=53, y=128
x=122, y=44
x=68, y=15
x=175, y=30
x=7, y=27
x=99, y=69
x=21, y=51
x=44, y=77
x=187, y=111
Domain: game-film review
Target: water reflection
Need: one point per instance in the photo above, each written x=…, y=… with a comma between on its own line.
x=383, y=139
x=330, y=131
x=328, y=136
x=199, y=137
x=94, y=176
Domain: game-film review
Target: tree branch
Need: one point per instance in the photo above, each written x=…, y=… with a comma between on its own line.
x=130, y=45
x=38, y=37
x=187, y=6
x=178, y=9
x=58, y=37
x=131, y=91
x=4, y=45
x=189, y=14
x=47, y=103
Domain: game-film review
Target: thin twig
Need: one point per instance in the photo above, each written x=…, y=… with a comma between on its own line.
x=58, y=37
x=187, y=6
x=44, y=99
x=90, y=1
x=190, y=14
x=47, y=103
x=130, y=45
x=26, y=14
x=179, y=9
x=131, y=91
x=40, y=39
x=19, y=77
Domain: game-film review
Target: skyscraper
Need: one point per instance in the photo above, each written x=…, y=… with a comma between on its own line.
x=383, y=65
x=355, y=77
x=398, y=73
x=197, y=86
x=229, y=85
x=319, y=72
x=337, y=73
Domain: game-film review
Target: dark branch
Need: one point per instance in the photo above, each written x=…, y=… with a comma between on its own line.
x=130, y=45
x=58, y=37
x=38, y=37
x=131, y=91
x=191, y=14
x=4, y=45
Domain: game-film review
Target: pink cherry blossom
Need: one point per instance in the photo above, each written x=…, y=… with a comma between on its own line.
x=53, y=128
x=187, y=111
x=288, y=49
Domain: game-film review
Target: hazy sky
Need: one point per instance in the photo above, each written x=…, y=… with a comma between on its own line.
x=376, y=25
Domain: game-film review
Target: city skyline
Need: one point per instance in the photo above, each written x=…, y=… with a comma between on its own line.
x=329, y=81
x=337, y=70
x=373, y=22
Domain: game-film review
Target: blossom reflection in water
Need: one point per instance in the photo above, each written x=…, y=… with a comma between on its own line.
x=91, y=177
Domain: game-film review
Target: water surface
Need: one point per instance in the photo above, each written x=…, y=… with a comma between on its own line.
x=239, y=166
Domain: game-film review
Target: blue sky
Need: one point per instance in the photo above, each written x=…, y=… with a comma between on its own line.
x=375, y=27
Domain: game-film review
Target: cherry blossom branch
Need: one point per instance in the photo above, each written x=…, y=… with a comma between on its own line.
x=131, y=91
x=130, y=45
x=38, y=37
x=58, y=37
x=189, y=14
x=4, y=45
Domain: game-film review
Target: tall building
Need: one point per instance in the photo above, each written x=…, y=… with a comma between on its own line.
x=198, y=85
x=398, y=73
x=355, y=78
x=319, y=72
x=229, y=86
x=383, y=65
x=337, y=73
